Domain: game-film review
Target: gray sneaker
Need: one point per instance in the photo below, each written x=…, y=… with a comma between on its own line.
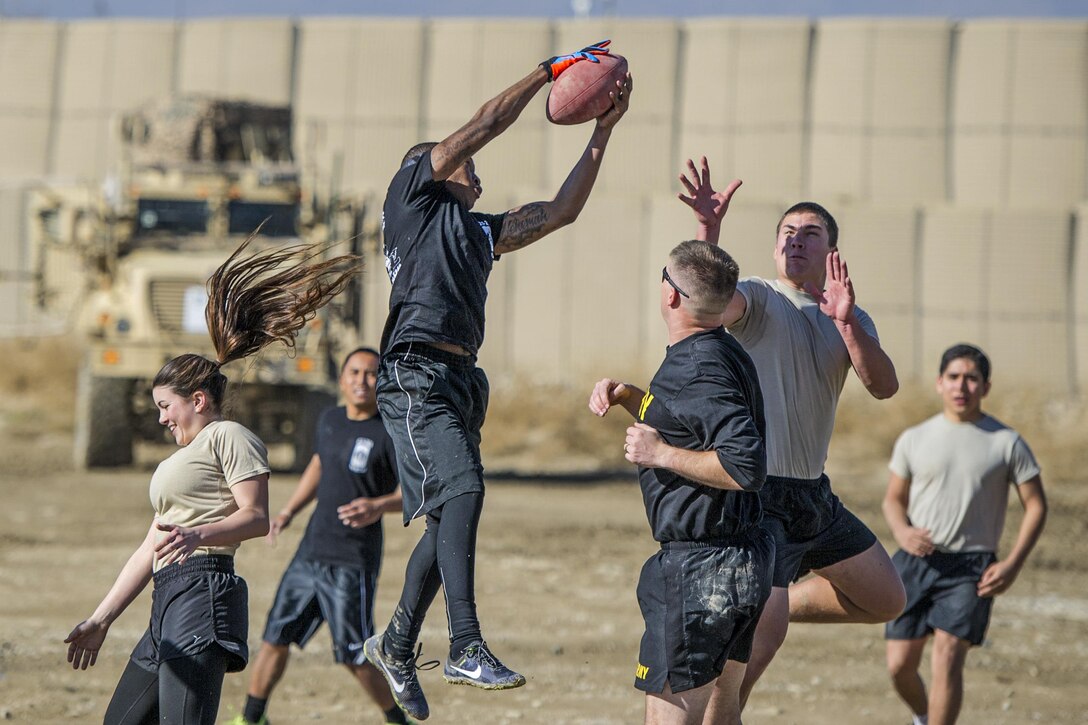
x=478, y=667
x=401, y=676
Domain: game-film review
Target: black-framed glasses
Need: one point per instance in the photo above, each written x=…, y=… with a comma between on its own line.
x=666, y=278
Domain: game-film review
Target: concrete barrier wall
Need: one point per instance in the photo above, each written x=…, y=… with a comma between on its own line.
x=107, y=68
x=953, y=155
x=879, y=109
x=743, y=97
x=1020, y=113
x=358, y=97
x=28, y=64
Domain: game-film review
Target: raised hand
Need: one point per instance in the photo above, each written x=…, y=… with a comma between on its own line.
x=709, y=206
x=621, y=99
x=559, y=63
x=837, y=298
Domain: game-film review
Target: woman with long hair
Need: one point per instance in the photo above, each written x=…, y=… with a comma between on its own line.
x=208, y=497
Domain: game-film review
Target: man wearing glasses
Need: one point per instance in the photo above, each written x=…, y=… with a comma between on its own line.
x=698, y=443
x=805, y=333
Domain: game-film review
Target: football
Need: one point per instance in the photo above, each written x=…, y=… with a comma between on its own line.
x=580, y=93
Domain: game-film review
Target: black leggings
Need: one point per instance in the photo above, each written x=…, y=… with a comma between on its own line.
x=446, y=556
x=185, y=691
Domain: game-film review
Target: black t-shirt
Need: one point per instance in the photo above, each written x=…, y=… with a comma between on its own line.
x=438, y=255
x=705, y=396
x=357, y=459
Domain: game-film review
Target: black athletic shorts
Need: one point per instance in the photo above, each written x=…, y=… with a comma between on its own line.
x=312, y=592
x=810, y=526
x=433, y=404
x=700, y=602
x=195, y=605
x=942, y=593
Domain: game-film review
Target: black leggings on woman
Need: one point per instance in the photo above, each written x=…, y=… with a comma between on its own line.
x=185, y=691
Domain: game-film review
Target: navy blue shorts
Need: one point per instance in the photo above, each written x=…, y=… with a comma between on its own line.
x=196, y=604
x=312, y=592
x=942, y=593
x=810, y=526
x=433, y=404
x=700, y=602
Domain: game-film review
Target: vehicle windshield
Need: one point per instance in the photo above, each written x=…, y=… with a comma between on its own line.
x=280, y=220
x=171, y=216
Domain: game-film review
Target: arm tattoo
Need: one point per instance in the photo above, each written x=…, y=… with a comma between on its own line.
x=522, y=227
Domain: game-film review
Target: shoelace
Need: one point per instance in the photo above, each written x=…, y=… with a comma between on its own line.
x=483, y=653
x=430, y=665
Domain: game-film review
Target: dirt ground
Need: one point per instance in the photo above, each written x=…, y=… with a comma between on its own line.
x=557, y=566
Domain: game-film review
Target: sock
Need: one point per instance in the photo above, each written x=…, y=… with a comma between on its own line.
x=921, y=720
x=254, y=710
x=395, y=715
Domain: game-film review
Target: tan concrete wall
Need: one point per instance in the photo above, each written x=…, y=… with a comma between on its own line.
x=743, y=97
x=879, y=98
x=1020, y=113
x=107, y=67
x=28, y=63
x=952, y=154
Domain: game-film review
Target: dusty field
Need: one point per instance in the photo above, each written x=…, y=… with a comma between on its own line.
x=557, y=569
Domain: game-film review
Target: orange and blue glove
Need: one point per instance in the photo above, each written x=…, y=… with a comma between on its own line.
x=559, y=63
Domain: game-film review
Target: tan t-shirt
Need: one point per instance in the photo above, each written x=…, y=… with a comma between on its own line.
x=959, y=477
x=802, y=363
x=192, y=487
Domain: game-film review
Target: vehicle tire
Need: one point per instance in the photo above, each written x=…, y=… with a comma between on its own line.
x=313, y=402
x=103, y=435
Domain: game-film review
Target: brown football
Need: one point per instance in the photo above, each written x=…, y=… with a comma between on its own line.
x=580, y=93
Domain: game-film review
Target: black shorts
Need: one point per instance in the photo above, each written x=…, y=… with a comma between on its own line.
x=433, y=404
x=195, y=605
x=810, y=526
x=942, y=593
x=700, y=603
x=312, y=592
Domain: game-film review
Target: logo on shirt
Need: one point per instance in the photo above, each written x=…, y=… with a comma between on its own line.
x=360, y=455
x=392, y=263
x=647, y=398
x=486, y=227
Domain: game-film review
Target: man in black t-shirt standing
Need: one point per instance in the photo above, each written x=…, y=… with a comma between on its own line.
x=334, y=574
x=432, y=396
x=698, y=440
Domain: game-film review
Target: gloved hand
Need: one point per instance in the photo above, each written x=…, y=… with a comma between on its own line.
x=559, y=63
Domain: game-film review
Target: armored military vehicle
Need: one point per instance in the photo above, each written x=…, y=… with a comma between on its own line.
x=195, y=177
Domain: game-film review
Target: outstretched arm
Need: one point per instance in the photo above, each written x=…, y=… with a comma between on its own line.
x=1000, y=575
x=710, y=208
x=500, y=112
x=87, y=637
x=528, y=223
x=873, y=366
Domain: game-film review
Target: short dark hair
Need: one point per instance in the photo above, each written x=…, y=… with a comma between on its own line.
x=416, y=151
x=970, y=352
x=812, y=207
x=356, y=351
x=708, y=272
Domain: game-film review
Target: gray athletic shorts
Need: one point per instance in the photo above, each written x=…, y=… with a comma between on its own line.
x=433, y=404
x=700, y=602
x=942, y=593
x=312, y=592
x=810, y=526
x=195, y=605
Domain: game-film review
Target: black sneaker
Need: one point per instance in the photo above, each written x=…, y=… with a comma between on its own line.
x=479, y=668
x=401, y=676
